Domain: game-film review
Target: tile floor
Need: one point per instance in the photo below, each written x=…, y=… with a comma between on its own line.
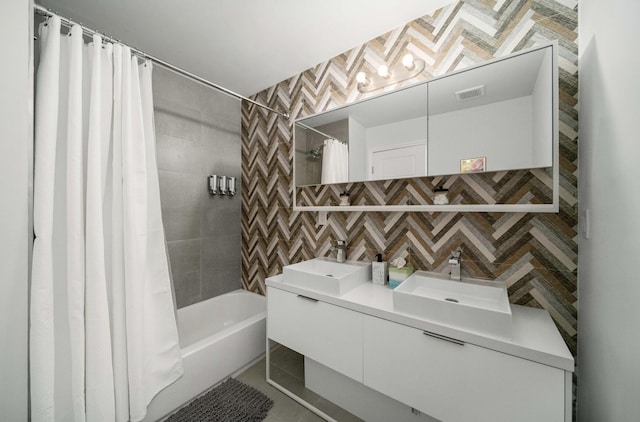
x=288, y=369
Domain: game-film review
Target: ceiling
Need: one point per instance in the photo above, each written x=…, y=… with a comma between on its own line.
x=243, y=45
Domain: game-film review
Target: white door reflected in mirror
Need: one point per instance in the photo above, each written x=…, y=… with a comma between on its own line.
x=398, y=162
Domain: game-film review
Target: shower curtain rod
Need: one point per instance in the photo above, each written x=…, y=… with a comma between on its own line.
x=321, y=133
x=68, y=22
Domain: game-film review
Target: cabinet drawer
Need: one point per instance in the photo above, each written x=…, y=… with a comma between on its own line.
x=456, y=381
x=325, y=333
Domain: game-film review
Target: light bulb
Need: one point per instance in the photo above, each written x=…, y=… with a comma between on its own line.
x=407, y=61
x=383, y=71
x=361, y=78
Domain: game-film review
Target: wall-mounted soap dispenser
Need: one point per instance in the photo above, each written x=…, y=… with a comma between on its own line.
x=222, y=185
x=231, y=185
x=213, y=184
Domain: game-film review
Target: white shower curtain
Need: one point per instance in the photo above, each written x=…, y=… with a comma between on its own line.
x=103, y=338
x=335, y=162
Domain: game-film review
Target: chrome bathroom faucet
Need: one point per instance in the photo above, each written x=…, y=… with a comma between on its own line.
x=454, y=261
x=341, y=252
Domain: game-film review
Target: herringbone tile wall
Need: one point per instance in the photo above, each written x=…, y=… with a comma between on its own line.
x=536, y=254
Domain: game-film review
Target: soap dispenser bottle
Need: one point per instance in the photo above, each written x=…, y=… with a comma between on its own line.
x=379, y=270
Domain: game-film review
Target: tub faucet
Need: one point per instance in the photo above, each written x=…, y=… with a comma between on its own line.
x=341, y=253
x=454, y=262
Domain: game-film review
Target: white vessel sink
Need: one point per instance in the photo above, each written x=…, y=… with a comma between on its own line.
x=473, y=305
x=326, y=275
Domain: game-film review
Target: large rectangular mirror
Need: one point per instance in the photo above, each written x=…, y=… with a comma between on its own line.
x=498, y=116
x=490, y=117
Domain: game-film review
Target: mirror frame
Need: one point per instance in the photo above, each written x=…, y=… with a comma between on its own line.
x=552, y=207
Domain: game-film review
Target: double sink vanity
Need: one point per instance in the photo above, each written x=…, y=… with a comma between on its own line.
x=431, y=349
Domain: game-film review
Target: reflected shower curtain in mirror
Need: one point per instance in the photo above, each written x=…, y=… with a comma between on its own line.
x=103, y=337
x=335, y=162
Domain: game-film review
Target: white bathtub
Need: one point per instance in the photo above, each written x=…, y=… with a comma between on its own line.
x=218, y=337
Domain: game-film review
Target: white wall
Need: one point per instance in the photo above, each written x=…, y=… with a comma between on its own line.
x=411, y=131
x=357, y=151
x=541, y=154
x=473, y=132
x=15, y=126
x=609, y=150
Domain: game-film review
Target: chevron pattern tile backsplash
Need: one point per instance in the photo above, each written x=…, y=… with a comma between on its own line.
x=536, y=254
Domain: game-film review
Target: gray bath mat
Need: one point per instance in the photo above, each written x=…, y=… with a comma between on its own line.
x=231, y=401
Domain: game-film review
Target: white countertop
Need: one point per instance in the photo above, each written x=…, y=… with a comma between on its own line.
x=535, y=336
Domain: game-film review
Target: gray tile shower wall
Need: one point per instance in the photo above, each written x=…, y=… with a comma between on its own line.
x=198, y=134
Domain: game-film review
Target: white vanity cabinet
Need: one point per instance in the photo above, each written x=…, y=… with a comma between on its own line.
x=323, y=332
x=401, y=362
x=456, y=381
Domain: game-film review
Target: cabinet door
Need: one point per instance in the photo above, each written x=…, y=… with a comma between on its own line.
x=325, y=333
x=458, y=382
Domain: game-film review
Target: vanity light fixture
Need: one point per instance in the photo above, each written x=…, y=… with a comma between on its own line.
x=383, y=72
x=361, y=78
x=386, y=75
x=407, y=61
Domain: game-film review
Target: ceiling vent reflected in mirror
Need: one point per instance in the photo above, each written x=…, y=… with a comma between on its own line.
x=470, y=93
